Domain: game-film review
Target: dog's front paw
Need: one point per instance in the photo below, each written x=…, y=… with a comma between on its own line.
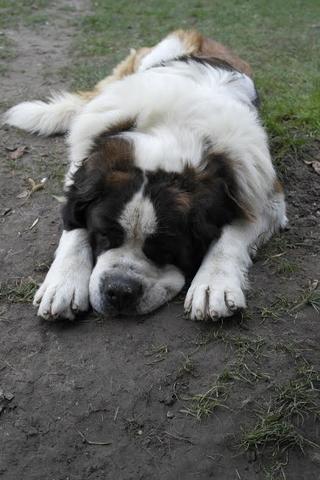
x=64, y=292
x=213, y=297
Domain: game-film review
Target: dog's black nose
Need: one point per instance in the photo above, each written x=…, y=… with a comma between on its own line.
x=122, y=293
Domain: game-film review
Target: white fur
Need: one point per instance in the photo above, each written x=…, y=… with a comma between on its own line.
x=159, y=284
x=138, y=218
x=167, y=49
x=65, y=289
x=45, y=118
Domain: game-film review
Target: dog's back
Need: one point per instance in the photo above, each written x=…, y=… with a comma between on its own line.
x=55, y=115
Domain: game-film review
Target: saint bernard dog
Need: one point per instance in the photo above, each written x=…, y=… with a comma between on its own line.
x=170, y=183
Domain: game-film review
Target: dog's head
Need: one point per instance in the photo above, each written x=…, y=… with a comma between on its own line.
x=149, y=230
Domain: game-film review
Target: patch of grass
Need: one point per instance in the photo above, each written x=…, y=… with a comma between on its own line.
x=85, y=75
x=37, y=18
x=202, y=405
x=247, y=351
x=276, y=247
x=158, y=353
x=274, y=253
x=7, y=51
x=20, y=291
x=292, y=348
x=310, y=296
x=276, y=432
x=187, y=368
x=242, y=372
x=272, y=432
x=246, y=346
x=285, y=266
x=210, y=336
x=279, y=307
x=276, y=470
x=297, y=398
x=25, y=11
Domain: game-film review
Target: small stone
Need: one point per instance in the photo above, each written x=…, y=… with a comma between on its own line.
x=170, y=414
x=170, y=400
x=8, y=396
x=32, y=432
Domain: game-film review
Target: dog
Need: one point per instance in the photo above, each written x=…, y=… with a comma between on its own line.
x=170, y=183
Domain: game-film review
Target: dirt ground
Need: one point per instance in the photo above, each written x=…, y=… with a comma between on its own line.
x=119, y=399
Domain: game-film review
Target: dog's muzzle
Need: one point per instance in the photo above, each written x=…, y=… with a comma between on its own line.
x=120, y=293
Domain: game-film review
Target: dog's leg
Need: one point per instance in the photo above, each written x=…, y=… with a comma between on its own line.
x=65, y=289
x=217, y=290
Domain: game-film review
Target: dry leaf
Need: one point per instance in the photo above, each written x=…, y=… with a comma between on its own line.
x=18, y=152
x=36, y=186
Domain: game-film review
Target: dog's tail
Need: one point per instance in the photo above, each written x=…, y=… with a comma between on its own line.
x=46, y=118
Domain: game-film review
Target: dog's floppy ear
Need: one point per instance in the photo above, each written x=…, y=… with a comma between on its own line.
x=88, y=187
x=214, y=200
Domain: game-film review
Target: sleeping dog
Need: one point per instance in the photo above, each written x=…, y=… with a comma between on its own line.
x=170, y=182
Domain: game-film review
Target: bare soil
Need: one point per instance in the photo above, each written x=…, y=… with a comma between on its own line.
x=107, y=398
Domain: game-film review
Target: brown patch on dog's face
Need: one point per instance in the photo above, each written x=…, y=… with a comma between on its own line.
x=106, y=181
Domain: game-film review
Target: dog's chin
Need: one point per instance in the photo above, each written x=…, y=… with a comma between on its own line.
x=110, y=312
x=142, y=308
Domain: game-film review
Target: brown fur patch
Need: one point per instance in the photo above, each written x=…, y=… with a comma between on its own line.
x=112, y=154
x=128, y=66
x=191, y=39
x=182, y=199
x=211, y=48
x=278, y=188
x=118, y=178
